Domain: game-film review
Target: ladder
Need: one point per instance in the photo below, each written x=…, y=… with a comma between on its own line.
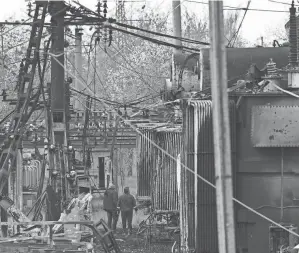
x=24, y=107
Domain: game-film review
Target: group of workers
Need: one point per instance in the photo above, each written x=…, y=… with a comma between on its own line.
x=113, y=205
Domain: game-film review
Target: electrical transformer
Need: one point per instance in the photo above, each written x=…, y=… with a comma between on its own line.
x=282, y=240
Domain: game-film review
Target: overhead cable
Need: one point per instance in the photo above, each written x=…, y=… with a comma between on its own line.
x=239, y=8
x=235, y=35
x=187, y=168
x=159, y=42
x=162, y=35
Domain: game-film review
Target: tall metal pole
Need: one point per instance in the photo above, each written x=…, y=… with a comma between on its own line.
x=221, y=130
x=78, y=64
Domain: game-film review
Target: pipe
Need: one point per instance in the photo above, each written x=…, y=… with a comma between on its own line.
x=281, y=186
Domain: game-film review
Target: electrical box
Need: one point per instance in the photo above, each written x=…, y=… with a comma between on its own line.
x=280, y=239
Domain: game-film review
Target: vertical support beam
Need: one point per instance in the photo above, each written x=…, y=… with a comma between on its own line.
x=78, y=64
x=221, y=130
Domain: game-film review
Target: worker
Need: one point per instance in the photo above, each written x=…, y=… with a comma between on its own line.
x=127, y=204
x=110, y=206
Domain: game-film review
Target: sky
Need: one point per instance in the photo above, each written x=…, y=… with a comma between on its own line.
x=255, y=24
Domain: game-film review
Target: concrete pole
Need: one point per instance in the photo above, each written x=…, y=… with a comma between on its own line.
x=78, y=64
x=221, y=130
x=177, y=32
x=58, y=85
x=58, y=89
x=177, y=26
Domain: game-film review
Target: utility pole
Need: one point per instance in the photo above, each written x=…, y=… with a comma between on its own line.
x=177, y=32
x=177, y=25
x=58, y=85
x=78, y=64
x=221, y=131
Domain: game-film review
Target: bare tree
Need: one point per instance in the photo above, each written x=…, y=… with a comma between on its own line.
x=198, y=28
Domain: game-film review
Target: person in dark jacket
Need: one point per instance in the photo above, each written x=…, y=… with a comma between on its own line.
x=126, y=204
x=110, y=206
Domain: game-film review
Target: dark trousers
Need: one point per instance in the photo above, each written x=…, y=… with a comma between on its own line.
x=127, y=217
x=112, y=219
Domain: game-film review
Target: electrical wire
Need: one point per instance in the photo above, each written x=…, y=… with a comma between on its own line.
x=112, y=21
x=235, y=36
x=278, y=2
x=139, y=74
x=156, y=41
x=13, y=28
x=161, y=34
x=132, y=69
x=238, y=8
x=187, y=168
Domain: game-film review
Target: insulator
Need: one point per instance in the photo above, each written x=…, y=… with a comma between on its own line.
x=99, y=5
x=105, y=8
x=293, y=54
x=271, y=68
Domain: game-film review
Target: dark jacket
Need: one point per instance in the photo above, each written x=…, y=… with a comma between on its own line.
x=126, y=202
x=110, y=200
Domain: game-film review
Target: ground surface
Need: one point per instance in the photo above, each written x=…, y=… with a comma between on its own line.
x=135, y=243
x=132, y=244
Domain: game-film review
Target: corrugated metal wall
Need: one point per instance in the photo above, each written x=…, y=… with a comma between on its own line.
x=165, y=192
x=199, y=157
x=145, y=162
x=157, y=172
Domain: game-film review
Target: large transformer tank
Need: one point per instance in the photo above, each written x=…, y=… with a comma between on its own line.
x=267, y=166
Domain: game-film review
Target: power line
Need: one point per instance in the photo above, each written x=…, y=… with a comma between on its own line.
x=163, y=35
x=132, y=67
x=239, y=8
x=113, y=21
x=278, y=2
x=139, y=74
x=235, y=36
x=156, y=41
